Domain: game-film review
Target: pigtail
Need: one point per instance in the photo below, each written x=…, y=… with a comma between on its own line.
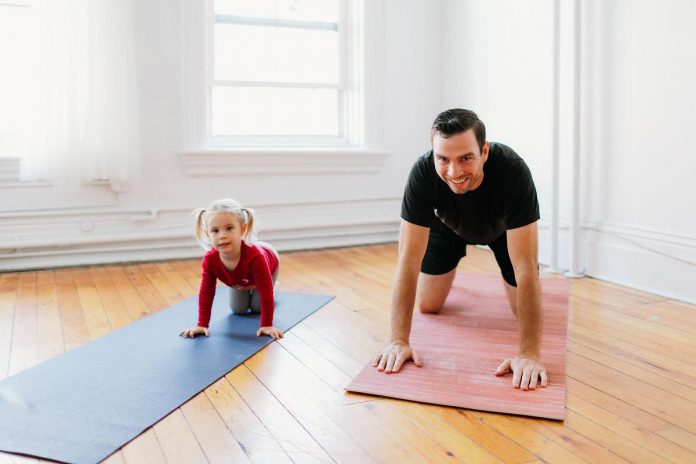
x=199, y=213
x=249, y=221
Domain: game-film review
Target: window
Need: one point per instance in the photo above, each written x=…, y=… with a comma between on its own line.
x=14, y=56
x=279, y=73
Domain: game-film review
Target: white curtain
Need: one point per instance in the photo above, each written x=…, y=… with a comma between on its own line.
x=84, y=109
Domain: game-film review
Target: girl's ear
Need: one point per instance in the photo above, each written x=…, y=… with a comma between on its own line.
x=243, y=228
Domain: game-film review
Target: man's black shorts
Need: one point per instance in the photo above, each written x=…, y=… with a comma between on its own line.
x=446, y=248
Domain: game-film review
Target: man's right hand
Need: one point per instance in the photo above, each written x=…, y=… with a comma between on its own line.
x=393, y=355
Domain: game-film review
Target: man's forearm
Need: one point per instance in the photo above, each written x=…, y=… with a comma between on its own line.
x=403, y=299
x=529, y=314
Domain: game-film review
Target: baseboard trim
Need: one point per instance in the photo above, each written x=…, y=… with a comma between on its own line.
x=81, y=238
x=655, y=261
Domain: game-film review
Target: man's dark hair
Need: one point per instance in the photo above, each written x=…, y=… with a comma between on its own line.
x=455, y=121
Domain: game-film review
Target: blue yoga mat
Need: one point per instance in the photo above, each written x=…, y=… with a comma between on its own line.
x=83, y=405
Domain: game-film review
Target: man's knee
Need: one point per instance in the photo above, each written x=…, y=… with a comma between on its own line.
x=432, y=291
x=428, y=308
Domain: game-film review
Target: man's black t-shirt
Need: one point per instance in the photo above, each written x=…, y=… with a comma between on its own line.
x=506, y=199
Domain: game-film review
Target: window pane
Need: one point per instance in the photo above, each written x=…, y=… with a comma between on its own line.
x=301, y=10
x=14, y=56
x=280, y=54
x=274, y=111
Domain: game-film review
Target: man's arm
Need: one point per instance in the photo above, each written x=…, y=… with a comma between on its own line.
x=526, y=366
x=413, y=240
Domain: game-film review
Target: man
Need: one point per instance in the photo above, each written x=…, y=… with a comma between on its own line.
x=467, y=191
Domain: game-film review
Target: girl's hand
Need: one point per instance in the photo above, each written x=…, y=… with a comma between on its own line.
x=270, y=330
x=190, y=333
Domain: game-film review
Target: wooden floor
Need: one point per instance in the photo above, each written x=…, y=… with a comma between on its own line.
x=631, y=371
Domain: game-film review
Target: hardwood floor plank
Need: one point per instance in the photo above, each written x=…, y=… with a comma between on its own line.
x=215, y=439
x=651, y=399
x=8, y=298
x=310, y=401
x=127, y=292
x=607, y=437
x=49, y=326
x=292, y=436
x=96, y=319
x=452, y=446
x=629, y=430
x=606, y=291
x=116, y=458
x=631, y=393
x=114, y=307
x=177, y=441
x=144, y=448
x=256, y=440
x=469, y=424
x=177, y=279
x=24, y=349
x=148, y=294
x=75, y=331
x=166, y=290
x=630, y=352
x=615, y=405
x=609, y=332
x=328, y=350
x=680, y=437
x=644, y=373
x=529, y=438
x=675, y=340
x=575, y=442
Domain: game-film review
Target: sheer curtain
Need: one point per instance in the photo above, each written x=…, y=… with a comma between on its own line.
x=84, y=104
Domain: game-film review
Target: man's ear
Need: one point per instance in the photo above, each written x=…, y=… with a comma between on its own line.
x=484, y=152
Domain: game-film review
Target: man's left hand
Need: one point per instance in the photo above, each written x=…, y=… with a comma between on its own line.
x=526, y=372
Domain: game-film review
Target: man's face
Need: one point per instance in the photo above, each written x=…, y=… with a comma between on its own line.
x=459, y=161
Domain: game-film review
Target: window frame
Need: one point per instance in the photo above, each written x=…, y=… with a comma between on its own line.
x=198, y=22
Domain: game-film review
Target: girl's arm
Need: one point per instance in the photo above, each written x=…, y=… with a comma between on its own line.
x=206, y=294
x=264, y=285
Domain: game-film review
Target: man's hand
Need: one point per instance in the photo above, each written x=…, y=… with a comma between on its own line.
x=393, y=355
x=526, y=371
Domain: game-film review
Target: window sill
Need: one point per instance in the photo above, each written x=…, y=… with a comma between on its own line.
x=15, y=183
x=263, y=161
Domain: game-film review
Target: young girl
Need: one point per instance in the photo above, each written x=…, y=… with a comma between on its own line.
x=249, y=269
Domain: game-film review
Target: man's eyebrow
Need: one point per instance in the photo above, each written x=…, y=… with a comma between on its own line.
x=469, y=153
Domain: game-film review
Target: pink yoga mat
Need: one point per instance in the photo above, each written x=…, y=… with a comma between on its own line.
x=464, y=343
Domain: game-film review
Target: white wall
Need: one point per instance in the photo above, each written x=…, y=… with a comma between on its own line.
x=640, y=123
x=638, y=113
x=423, y=56
x=42, y=227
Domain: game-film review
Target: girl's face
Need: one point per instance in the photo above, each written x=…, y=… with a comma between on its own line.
x=225, y=232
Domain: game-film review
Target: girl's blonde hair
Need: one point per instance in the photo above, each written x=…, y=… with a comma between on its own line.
x=224, y=205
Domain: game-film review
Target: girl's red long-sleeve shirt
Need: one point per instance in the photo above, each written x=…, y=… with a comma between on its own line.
x=256, y=267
